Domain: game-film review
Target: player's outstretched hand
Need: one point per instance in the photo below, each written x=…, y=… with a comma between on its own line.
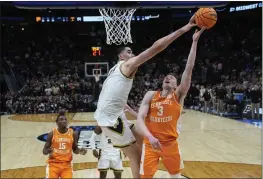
x=197, y=34
x=191, y=22
x=155, y=143
x=95, y=153
x=82, y=151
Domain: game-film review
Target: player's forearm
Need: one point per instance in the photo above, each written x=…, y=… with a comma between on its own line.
x=162, y=43
x=92, y=141
x=45, y=151
x=187, y=75
x=142, y=127
x=192, y=56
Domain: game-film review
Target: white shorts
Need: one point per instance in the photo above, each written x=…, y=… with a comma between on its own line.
x=113, y=162
x=121, y=135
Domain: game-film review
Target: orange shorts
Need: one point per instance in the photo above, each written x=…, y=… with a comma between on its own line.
x=170, y=155
x=62, y=170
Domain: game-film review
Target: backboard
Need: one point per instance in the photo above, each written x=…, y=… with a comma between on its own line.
x=93, y=68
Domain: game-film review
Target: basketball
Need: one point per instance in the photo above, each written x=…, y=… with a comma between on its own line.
x=206, y=17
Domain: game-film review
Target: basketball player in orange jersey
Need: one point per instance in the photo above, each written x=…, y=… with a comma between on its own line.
x=157, y=119
x=115, y=91
x=59, y=145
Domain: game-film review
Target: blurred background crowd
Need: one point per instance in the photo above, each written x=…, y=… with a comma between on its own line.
x=43, y=65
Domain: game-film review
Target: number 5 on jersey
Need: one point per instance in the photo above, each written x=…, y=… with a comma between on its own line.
x=62, y=146
x=160, y=110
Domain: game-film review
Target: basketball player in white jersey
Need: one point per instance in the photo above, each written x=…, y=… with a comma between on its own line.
x=108, y=156
x=115, y=91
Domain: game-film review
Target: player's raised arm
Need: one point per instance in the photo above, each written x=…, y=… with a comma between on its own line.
x=157, y=47
x=75, y=148
x=187, y=74
x=47, y=148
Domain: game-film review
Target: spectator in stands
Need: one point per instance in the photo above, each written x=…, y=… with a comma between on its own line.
x=220, y=96
x=231, y=103
x=255, y=97
x=9, y=105
x=207, y=99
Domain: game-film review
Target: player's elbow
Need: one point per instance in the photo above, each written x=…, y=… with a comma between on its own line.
x=44, y=151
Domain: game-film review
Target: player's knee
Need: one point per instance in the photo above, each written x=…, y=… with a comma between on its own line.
x=132, y=151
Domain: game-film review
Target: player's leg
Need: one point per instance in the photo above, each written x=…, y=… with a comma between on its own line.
x=67, y=170
x=52, y=171
x=116, y=165
x=149, y=162
x=103, y=166
x=117, y=174
x=133, y=152
x=122, y=137
x=172, y=160
x=137, y=135
x=103, y=174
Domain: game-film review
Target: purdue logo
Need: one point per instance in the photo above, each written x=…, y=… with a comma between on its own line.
x=247, y=109
x=118, y=127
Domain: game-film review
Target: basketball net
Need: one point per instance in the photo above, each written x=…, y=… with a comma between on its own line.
x=118, y=25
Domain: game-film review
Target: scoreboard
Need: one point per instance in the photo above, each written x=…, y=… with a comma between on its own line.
x=96, y=51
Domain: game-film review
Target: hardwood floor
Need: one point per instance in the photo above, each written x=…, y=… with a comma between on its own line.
x=212, y=147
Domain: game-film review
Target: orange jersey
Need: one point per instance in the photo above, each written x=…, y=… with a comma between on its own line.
x=62, y=146
x=162, y=117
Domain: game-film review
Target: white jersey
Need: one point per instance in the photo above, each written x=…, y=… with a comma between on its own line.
x=105, y=145
x=113, y=97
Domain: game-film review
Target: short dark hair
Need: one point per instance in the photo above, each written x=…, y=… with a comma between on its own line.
x=121, y=49
x=61, y=113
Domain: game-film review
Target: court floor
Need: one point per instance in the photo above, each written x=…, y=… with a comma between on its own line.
x=212, y=147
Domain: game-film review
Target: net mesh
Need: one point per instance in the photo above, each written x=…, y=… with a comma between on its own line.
x=118, y=25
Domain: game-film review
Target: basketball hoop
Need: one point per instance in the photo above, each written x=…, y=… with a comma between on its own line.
x=118, y=25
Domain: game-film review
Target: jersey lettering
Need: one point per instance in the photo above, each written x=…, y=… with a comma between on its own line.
x=112, y=70
x=162, y=118
x=62, y=145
